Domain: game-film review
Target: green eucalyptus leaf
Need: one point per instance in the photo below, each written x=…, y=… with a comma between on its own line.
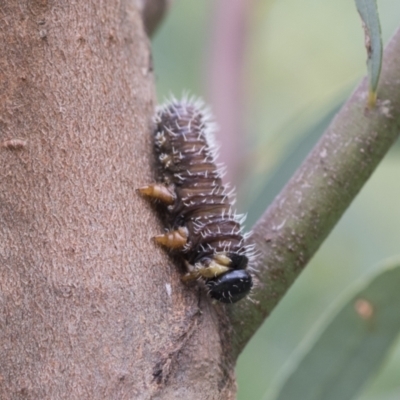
x=368, y=11
x=339, y=360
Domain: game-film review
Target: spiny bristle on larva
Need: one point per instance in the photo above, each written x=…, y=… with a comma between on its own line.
x=208, y=125
x=186, y=155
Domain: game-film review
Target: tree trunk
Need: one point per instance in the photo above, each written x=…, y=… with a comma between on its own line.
x=90, y=308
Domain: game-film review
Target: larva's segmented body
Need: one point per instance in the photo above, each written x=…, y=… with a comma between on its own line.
x=199, y=208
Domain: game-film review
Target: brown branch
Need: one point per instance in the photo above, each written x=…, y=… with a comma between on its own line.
x=153, y=12
x=225, y=78
x=307, y=209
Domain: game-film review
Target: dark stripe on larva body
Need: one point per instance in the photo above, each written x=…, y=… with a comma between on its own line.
x=186, y=161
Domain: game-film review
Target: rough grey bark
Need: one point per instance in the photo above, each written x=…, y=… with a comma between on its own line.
x=90, y=308
x=303, y=214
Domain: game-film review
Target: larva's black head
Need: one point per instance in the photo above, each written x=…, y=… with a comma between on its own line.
x=231, y=286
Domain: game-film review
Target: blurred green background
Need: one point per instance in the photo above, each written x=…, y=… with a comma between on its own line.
x=300, y=61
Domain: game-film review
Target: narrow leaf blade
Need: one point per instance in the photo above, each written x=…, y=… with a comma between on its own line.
x=342, y=358
x=368, y=11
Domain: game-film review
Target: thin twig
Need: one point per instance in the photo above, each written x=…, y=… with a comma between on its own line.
x=304, y=213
